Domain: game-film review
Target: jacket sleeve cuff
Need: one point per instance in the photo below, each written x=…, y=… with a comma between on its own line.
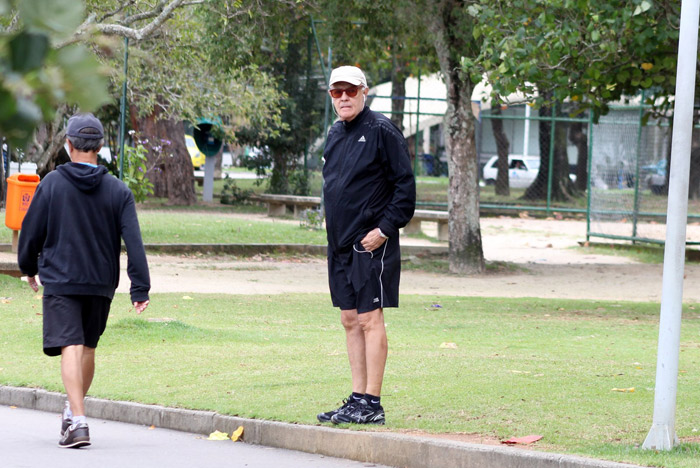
x=387, y=229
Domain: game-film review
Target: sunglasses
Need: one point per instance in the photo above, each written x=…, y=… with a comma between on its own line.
x=351, y=92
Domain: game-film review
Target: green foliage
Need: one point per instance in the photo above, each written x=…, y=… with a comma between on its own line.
x=276, y=42
x=384, y=38
x=592, y=52
x=312, y=219
x=36, y=77
x=135, y=171
x=180, y=72
x=232, y=194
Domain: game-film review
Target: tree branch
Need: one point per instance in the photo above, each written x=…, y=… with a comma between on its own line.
x=161, y=14
x=142, y=33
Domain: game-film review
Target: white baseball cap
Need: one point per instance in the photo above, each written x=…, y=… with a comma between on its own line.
x=348, y=74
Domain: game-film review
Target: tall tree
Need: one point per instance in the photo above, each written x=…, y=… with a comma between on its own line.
x=588, y=52
x=452, y=32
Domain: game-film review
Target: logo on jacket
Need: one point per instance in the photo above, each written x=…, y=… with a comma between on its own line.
x=362, y=139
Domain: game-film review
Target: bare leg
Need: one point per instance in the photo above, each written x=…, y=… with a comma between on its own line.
x=88, y=368
x=376, y=349
x=72, y=375
x=355, y=339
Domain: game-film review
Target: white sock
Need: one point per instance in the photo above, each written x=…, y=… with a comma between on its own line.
x=79, y=419
x=67, y=413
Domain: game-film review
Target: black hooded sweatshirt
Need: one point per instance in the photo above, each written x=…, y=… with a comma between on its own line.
x=367, y=180
x=71, y=234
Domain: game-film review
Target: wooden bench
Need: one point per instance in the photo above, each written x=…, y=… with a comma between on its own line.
x=414, y=226
x=280, y=205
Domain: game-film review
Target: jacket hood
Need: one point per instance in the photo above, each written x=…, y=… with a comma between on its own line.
x=85, y=178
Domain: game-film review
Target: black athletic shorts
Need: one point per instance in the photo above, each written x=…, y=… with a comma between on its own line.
x=74, y=320
x=365, y=280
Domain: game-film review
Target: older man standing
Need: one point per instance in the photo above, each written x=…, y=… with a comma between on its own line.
x=370, y=193
x=71, y=236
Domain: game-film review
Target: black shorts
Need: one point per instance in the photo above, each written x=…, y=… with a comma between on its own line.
x=365, y=280
x=74, y=320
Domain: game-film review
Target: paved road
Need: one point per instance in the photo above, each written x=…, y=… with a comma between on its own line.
x=29, y=439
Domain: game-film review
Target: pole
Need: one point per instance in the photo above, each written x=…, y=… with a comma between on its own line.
x=122, y=109
x=589, y=184
x=635, y=211
x=526, y=135
x=415, y=159
x=662, y=435
x=551, y=157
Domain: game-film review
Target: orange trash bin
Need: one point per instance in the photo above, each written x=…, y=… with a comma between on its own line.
x=20, y=191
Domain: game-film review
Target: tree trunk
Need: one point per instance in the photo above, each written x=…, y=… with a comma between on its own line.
x=398, y=90
x=47, y=150
x=279, y=177
x=580, y=139
x=503, y=148
x=170, y=171
x=562, y=187
x=694, y=176
x=466, y=255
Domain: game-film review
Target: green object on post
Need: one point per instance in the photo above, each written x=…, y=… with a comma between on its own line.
x=205, y=137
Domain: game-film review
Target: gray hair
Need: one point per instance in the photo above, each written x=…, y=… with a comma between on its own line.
x=87, y=145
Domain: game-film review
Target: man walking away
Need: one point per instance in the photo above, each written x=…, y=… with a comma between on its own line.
x=71, y=237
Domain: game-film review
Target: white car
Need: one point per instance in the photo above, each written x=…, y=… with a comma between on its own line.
x=522, y=170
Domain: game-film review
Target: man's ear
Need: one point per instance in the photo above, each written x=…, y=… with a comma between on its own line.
x=70, y=146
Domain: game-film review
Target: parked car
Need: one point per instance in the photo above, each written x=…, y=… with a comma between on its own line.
x=197, y=156
x=655, y=176
x=522, y=170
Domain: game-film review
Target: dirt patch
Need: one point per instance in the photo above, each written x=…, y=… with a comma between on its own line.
x=543, y=257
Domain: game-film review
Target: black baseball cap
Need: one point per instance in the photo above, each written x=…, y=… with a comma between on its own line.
x=78, y=123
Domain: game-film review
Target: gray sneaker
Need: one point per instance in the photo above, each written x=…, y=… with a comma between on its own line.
x=76, y=436
x=66, y=421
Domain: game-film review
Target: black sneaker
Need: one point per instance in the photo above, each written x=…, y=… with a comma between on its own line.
x=348, y=406
x=76, y=436
x=362, y=413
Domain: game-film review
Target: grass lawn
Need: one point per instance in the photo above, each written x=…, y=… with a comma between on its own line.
x=496, y=367
x=177, y=226
x=217, y=228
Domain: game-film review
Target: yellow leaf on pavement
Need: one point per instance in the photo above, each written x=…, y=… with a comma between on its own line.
x=237, y=434
x=216, y=435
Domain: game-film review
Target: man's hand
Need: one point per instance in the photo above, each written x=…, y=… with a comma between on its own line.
x=141, y=306
x=373, y=240
x=32, y=283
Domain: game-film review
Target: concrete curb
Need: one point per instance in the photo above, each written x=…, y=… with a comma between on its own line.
x=369, y=447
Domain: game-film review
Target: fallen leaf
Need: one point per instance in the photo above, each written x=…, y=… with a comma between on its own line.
x=187, y=298
x=624, y=390
x=13, y=407
x=216, y=435
x=237, y=434
x=152, y=427
x=522, y=440
x=448, y=345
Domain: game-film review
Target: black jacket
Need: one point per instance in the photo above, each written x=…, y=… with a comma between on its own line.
x=368, y=180
x=71, y=234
